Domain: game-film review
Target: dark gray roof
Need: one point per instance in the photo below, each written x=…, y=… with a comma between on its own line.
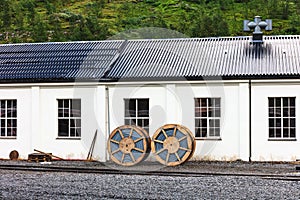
x=57, y=61
x=208, y=57
x=194, y=58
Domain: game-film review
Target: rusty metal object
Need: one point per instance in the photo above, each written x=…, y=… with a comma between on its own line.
x=173, y=144
x=49, y=154
x=14, y=155
x=128, y=145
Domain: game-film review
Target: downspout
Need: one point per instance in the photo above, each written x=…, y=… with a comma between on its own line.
x=107, y=119
x=250, y=120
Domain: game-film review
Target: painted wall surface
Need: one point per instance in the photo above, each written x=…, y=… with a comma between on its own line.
x=92, y=119
x=262, y=148
x=174, y=103
x=22, y=142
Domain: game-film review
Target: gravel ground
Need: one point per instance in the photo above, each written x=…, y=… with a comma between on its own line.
x=37, y=185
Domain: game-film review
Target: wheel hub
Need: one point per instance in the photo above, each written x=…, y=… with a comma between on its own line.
x=171, y=144
x=126, y=145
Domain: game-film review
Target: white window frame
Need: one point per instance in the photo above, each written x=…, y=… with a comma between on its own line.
x=10, y=122
x=215, y=119
x=130, y=119
x=75, y=119
x=282, y=120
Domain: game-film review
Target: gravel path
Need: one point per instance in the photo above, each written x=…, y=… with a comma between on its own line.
x=37, y=185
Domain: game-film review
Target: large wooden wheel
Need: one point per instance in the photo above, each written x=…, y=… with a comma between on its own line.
x=128, y=145
x=173, y=144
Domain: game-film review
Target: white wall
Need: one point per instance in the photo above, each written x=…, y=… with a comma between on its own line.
x=262, y=148
x=37, y=123
x=23, y=140
x=174, y=103
x=92, y=119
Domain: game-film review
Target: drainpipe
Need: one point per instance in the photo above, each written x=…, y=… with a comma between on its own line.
x=107, y=119
x=250, y=121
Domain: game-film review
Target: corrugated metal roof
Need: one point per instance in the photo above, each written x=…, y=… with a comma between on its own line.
x=208, y=57
x=231, y=57
x=67, y=60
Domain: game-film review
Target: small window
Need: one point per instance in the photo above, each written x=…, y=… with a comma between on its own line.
x=8, y=118
x=207, y=117
x=137, y=112
x=69, y=118
x=282, y=117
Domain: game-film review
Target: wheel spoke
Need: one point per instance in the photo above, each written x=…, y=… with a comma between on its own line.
x=167, y=158
x=123, y=156
x=182, y=138
x=121, y=133
x=130, y=134
x=115, y=151
x=185, y=149
x=177, y=156
x=164, y=132
x=132, y=158
x=160, y=151
x=138, y=149
x=115, y=141
x=174, y=132
x=138, y=139
x=159, y=141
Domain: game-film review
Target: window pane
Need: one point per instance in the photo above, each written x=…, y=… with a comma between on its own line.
x=197, y=132
x=76, y=104
x=72, y=132
x=292, y=101
x=3, y=112
x=217, y=112
x=217, y=123
x=78, y=132
x=197, y=123
x=63, y=127
x=271, y=102
x=278, y=112
x=285, y=122
x=203, y=112
x=271, y=122
x=60, y=103
x=203, y=102
x=14, y=132
x=197, y=112
x=203, y=123
x=278, y=102
x=285, y=112
x=292, y=112
x=285, y=102
x=2, y=131
x=278, y=132
x=197, y=102
x=285, y=132
x=292, y=122
x=130, y=108
x=211, y=123
x=278, y=122
x=292, y=132
x=203, y=132
x=217, y=102
x=140, y=122
x=146, y=122
x=60, y=112
x=143, y=108
x=66, y=103
x=271, y=112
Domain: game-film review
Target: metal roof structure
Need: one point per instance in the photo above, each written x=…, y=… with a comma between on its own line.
x=190, y=58
x=232, y=57
x=57, y=61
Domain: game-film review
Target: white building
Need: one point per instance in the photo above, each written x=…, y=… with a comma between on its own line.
x=240, y=100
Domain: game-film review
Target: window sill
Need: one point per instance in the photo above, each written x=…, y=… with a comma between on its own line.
x=282, y=139
x=8, y=138
x=68, y=138
x=210, y=139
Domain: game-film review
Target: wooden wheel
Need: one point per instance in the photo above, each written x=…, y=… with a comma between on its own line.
x=173, y=144
x=128, y=145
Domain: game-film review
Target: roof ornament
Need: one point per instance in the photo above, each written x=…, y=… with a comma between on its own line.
x=257, y=25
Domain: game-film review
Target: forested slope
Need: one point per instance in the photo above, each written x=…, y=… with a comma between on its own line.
x=74, y=20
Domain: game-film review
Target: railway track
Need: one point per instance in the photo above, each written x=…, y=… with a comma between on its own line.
x=44, y=168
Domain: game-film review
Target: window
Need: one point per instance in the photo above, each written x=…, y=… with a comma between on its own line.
x=137, y=112
x=8, y=118
x=69, y=118
x=207, y=117
x=282, y=117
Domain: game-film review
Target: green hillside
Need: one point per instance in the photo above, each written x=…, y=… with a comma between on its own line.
x=74, y=20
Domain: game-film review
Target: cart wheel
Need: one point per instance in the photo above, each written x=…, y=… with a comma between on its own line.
x=173, y=144
x=128, y=145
